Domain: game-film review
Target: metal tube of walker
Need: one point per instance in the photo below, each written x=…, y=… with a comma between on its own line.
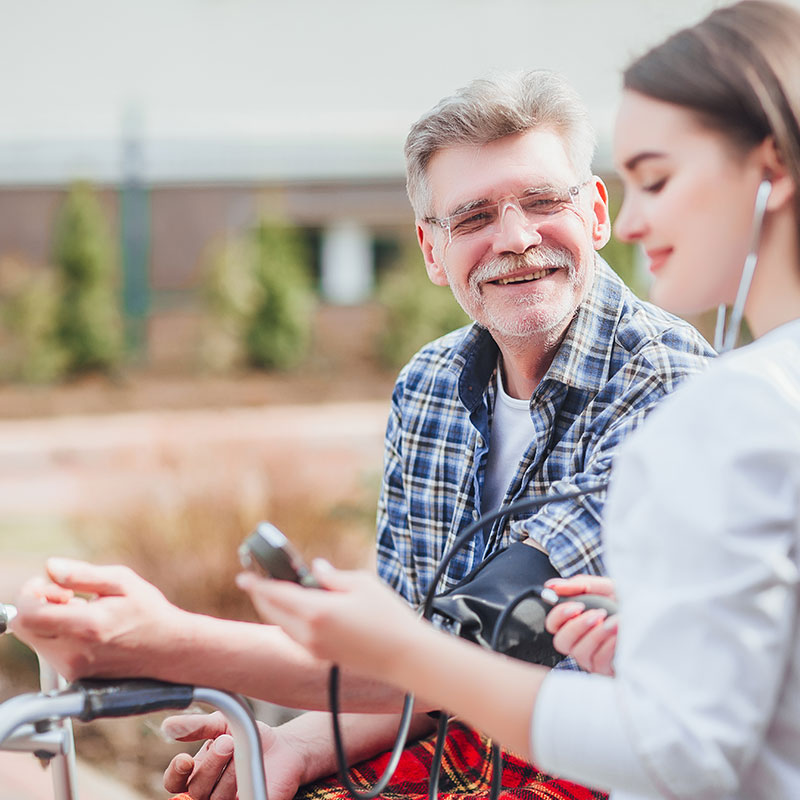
x=247, y=753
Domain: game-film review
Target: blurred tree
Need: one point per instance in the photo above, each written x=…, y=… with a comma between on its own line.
x=29, y=349
x=279, y=332
x=261, y=299
x=88, y=322
x=417, y=311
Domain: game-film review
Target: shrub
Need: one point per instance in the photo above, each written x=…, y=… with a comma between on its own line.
x=29, y=349
x=417, y=311
x=229, y=298
x=261, y=299
x=280, y=328
x=88, y=322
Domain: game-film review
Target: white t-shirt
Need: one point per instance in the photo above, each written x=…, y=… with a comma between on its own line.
x=511, y=435
x=702, y=528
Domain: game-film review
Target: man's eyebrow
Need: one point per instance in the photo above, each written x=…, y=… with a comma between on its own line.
x=469, y=205
x=634, y=162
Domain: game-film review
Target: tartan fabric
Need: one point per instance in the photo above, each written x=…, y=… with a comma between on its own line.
x=466, y=773
x=619, y=357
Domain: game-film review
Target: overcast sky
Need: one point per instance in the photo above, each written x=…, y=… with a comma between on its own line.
x=263, y=71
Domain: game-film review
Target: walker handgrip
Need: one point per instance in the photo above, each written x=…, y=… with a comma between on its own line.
x=121, y=698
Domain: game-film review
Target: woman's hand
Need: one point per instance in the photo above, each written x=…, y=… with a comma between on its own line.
x=590, y=637
x=359, y=622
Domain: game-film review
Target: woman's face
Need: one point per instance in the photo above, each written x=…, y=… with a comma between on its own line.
x=689, y=199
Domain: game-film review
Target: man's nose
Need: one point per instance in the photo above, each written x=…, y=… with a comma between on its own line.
x=516, y=233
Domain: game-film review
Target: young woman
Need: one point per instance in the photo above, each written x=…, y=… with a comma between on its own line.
x=703, y=517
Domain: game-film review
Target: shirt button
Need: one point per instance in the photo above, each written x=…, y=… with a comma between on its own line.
x=476, y=515
x=479, y=441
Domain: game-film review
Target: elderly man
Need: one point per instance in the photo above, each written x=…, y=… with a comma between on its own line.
x=561, y=363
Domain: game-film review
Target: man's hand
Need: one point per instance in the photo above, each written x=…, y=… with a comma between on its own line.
x=105, y=633
x=211, y=775
x=296, y=753
x=589, y=636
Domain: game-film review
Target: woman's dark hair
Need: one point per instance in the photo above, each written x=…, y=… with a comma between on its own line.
x=738, y=71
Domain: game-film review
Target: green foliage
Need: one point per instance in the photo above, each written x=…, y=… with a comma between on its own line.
x=29, y=348
x=279, y=332
x=417, y=311
x=260, y=296
x=88, y=324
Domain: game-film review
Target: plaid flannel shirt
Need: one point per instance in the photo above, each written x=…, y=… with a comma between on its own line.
x=619, y=357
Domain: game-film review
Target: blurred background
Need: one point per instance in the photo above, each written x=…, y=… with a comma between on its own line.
x=209, y=277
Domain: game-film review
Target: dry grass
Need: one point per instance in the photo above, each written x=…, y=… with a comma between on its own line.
x=188, y=547
x=185, y=540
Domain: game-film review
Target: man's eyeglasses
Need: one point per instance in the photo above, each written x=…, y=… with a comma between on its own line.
x=484, y=218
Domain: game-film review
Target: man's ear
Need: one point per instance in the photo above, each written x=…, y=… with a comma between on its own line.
x=771, y=164
x=601, y=221
x=436, y=271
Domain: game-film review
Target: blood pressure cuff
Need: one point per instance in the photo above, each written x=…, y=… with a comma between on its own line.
x=475, y=604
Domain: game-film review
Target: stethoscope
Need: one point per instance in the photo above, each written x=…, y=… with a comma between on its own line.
x=727, y=331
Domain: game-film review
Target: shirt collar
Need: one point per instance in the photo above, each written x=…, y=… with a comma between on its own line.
x=582, y=359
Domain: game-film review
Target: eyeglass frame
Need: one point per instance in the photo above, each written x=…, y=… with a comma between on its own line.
x=572, y=192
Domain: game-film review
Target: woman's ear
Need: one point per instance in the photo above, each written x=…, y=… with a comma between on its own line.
x=436, y=271
x=774, y=169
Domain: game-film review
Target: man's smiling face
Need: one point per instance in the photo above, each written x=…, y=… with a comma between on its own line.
x=522, y=277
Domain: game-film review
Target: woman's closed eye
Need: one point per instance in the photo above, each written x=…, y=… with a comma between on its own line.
x=655, y=186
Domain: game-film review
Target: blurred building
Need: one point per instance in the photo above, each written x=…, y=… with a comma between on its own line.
x=195, y=117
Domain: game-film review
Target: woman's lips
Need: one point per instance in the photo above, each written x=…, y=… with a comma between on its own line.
x=658, y=257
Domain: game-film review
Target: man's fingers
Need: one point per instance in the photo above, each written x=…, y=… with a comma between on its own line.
x=209, y=765
x=40, y=588
x=89, y=578
x=49, y=620
x=176, y=775
x=193, y=727
x=226, y=784
x=54, y=593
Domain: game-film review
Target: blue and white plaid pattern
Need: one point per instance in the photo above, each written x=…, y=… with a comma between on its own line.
x=619, y=357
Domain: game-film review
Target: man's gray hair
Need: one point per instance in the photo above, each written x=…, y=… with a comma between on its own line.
x=491, y=108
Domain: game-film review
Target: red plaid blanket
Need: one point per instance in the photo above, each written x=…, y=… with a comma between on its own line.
x=466, y=773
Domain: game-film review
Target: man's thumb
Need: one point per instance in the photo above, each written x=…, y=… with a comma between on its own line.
x=192, y=727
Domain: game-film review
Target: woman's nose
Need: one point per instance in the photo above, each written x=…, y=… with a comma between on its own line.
x=629, y=226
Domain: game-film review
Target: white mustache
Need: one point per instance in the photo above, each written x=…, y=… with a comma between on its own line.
x=542, y=257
